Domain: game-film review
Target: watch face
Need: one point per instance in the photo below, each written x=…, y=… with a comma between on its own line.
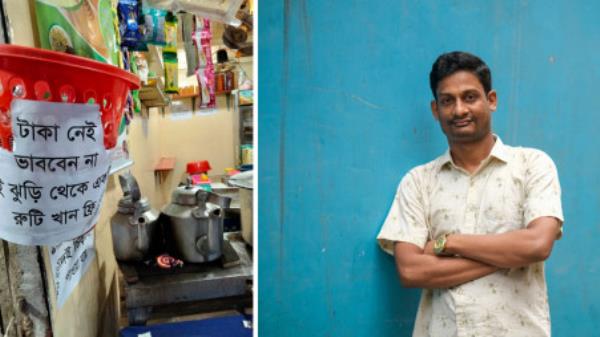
x=438, y=245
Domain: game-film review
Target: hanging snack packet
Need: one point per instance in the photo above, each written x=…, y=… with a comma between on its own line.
x=135, y=94
x=206, y=71
x=198, y=45
x=117, y=46
x=170, y=33
x=128, y=23
x=209, y=72
x=203, y=84
x=154, y=25
x=215, y=10
x=170, y=64
x=142, y=68
x=187, y=34
x=206, y=80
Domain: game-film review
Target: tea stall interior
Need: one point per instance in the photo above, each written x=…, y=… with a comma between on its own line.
x=173, y=138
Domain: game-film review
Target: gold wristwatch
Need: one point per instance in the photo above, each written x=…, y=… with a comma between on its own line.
x=440, y=244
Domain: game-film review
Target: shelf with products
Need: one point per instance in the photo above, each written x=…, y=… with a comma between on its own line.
x=243, y=100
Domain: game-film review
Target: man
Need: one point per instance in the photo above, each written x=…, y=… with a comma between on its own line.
x=474, y=226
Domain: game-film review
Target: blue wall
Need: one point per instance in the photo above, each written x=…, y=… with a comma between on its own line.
x=344, y=113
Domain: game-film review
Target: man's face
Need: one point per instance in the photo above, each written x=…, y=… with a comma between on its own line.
x=463, y=108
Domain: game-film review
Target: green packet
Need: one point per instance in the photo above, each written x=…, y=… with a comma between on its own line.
x=135, y=94
x=170, y=33
x=171, y=72
x=83, y=28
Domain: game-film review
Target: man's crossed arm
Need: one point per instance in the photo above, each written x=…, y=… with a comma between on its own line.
x=475, y=256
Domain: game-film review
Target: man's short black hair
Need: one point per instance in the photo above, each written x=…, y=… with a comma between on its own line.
x=449, y=63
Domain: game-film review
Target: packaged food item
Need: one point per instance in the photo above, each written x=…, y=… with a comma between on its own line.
x=246, y=154
x=171, y=73
x=142, y=67
x=135, y=94
x=222, y=10
x=115, y=23
x=204, y=91
x=220, y=82
x=170, y=33
x=245, y=97
x=83, y=28
x=170, y=54
x=209, y=74
x=152, y=78
x=128, y=23
x=243, y=82
x=154, y=25
x=130, y=100
x=205, y=73
x=229, y=81
x=187, y=33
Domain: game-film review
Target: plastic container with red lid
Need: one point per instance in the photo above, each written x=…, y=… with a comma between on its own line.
x=197, y=167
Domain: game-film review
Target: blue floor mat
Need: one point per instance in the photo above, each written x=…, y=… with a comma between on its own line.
x=230, y=326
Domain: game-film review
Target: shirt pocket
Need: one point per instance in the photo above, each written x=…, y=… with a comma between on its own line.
x=443, y=221
x=446, y=207
x=503, y=203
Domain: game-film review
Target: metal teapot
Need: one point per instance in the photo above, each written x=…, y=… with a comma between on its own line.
x=195, y=218
x=134, y=223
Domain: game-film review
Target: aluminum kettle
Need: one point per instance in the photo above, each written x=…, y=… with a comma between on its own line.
x=134, y=224
x=195, y=218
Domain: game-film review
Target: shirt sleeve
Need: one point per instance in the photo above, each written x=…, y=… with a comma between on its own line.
x=542, y=188
x=406, y=218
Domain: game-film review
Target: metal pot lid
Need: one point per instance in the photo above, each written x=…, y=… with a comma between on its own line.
x=127, y=206
x=185, y=195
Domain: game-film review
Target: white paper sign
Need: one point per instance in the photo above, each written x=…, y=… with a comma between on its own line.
x=70, y=260
x=51, y=186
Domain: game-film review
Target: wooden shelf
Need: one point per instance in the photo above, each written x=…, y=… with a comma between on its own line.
x=177, y=97
x=187, y=92
x=162, y=168
x=165, y=164
x=153, y=96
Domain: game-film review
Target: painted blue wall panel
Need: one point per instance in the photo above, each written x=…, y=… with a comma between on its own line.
x=344, y=114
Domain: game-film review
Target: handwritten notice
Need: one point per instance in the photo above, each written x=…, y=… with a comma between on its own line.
x=70, y=261
x=51, y=185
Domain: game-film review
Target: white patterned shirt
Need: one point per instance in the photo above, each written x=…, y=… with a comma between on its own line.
x=512, y=187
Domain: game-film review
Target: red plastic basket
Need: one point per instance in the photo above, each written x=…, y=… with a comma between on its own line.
x=44, y=75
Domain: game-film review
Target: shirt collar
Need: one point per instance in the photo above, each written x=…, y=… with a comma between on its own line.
x=499, y=152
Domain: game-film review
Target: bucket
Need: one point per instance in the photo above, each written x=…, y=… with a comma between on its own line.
x=44, y=75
